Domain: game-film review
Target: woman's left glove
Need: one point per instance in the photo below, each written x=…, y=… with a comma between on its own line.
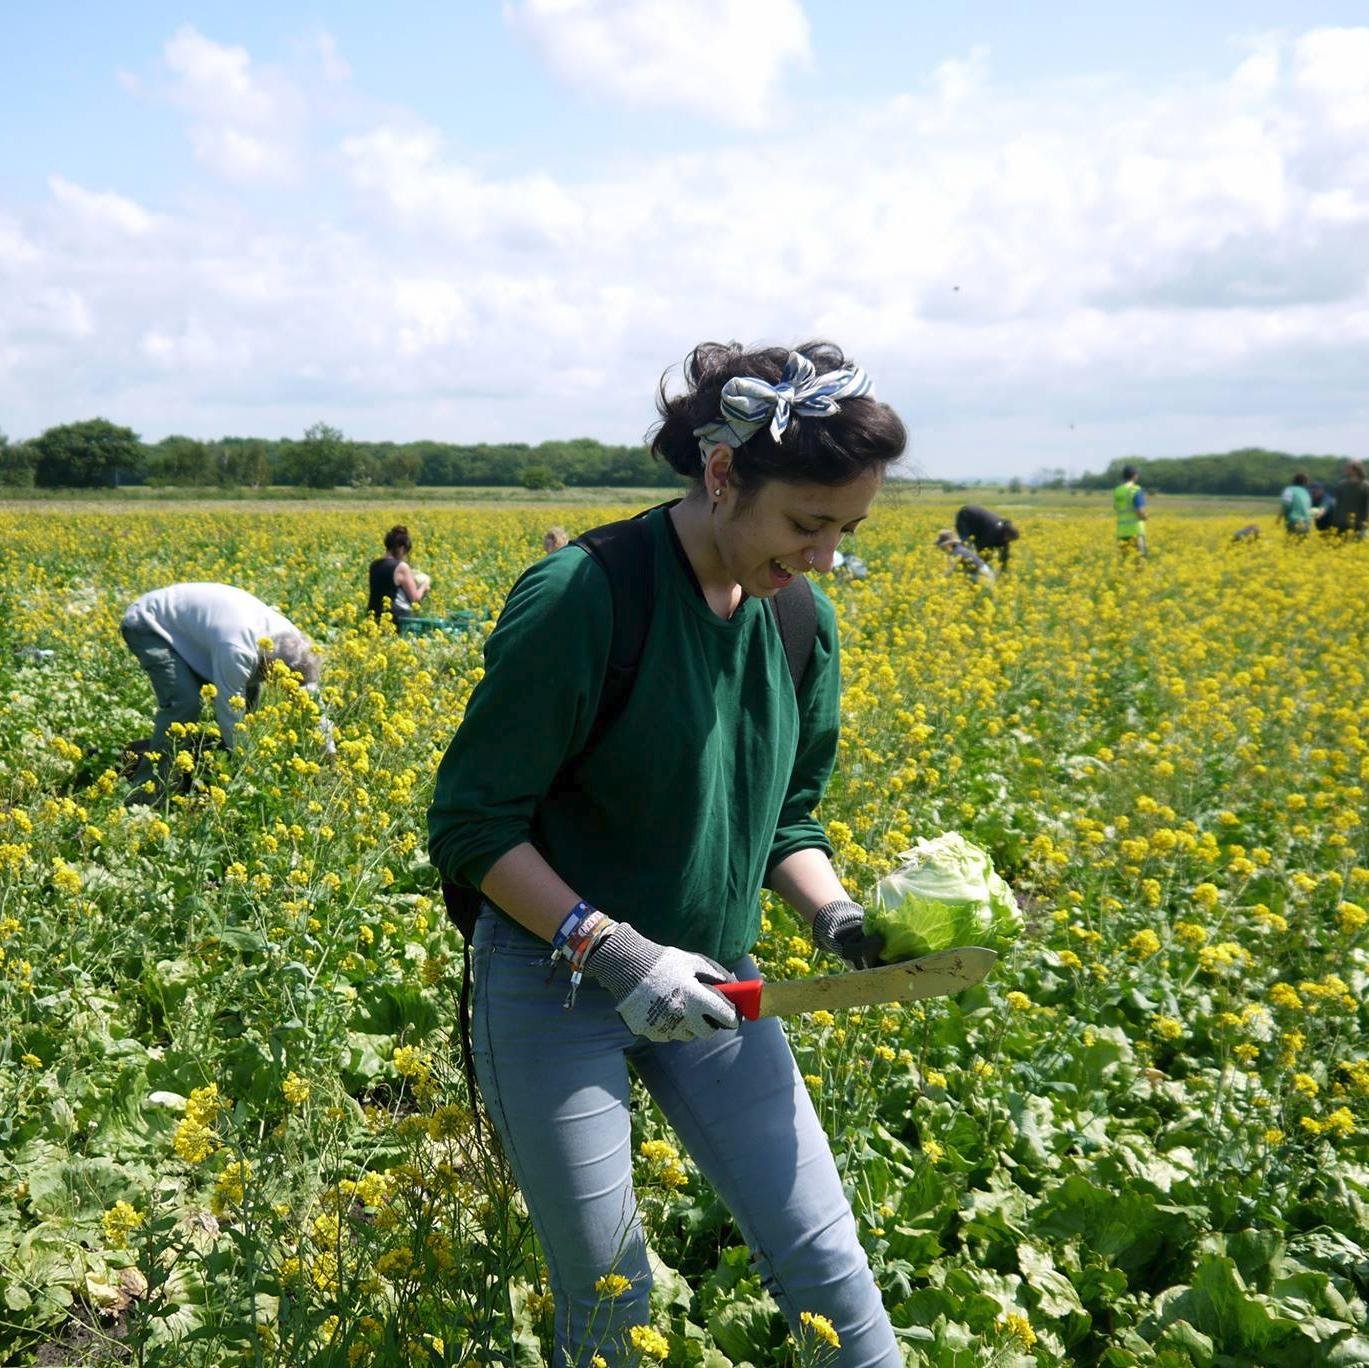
x=660, y=992
x=839, y=928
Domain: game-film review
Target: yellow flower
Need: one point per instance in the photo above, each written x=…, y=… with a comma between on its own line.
x=1144, y=943
x=1351, y=918
x=1167, y=1028
x=1340, y=1122
x=932, y=1150
x=1019, y=1002
x=204, y=1105
x=194, y=1141
x=1017, y=1327
x=648, y=1342
x=119, y=1222
x=230, y=1187
x=658, y=1151
x=1306, y=1085
x=295, y=1088
x=410, y=1061
x=64, y=878
x=31, y=1060
x=820, y=1328
x=612, y=1286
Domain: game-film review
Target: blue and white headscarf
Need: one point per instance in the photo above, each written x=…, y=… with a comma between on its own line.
x=748, y=402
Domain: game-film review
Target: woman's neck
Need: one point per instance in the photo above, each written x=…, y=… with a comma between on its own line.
x=694, y=519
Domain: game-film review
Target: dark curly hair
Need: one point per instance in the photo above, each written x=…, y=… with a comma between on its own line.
x=827, y=451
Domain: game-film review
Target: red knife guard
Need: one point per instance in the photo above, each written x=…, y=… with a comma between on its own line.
x=744, y=995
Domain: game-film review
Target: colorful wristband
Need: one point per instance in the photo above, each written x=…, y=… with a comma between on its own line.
x=573, y=919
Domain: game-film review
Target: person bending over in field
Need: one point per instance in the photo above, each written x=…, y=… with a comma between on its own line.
x=639, y=849
x=963, y=558
x=392, y=578
x=986, y=531
x=188, y=635
x=554, y=538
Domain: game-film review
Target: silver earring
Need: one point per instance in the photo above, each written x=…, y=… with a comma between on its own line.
x=717, y=493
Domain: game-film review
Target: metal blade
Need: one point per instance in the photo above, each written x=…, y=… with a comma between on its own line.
x=948, y=971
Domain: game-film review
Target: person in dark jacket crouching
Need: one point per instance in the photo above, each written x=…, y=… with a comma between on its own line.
x=986, y=531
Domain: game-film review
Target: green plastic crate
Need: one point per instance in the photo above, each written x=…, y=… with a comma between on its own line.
x=463, y=620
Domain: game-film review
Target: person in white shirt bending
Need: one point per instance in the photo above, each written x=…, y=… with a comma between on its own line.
x=188, y=635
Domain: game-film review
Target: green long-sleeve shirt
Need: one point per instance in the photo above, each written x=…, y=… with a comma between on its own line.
x=706, y=781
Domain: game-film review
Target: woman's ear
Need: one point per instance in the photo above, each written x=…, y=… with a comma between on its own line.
x=718, y=470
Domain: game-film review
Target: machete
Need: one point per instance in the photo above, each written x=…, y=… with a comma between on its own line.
x=948, y=971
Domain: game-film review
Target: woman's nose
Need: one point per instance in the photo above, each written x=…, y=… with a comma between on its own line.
x=820, y=557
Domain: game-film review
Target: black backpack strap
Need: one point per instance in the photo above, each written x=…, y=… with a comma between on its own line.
x=796, y=615
x=624, y=551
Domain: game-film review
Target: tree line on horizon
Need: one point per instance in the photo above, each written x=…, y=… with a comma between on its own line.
x=99, y=454
x=1249, y=471
x=96, y=453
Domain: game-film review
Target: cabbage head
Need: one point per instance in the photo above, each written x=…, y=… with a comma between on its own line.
x=944, y=894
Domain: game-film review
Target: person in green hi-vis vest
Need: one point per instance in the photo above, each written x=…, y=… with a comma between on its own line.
x=1129, y=504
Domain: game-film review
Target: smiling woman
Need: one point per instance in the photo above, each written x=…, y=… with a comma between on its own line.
x=699, y=792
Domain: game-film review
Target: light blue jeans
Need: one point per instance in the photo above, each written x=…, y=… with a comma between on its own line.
x=555, y=1083
x=177, y=688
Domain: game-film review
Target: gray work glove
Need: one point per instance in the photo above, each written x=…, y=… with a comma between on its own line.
x=839, y=928
x=659, y=991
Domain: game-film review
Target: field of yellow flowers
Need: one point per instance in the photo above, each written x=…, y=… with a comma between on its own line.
x=232, y=1123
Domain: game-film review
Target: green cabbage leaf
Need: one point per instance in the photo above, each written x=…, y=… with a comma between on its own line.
x=945, y=893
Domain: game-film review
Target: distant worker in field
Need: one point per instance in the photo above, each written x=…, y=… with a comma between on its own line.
x=554, y=538
x=392, y=578
x=1352, y=502
x=848, y=566
x=1295, y=506
x=188, y=635
x=963, y=558
x=1249, y=533
x=1129, y=505
x=986, y=531
x=1323, y=507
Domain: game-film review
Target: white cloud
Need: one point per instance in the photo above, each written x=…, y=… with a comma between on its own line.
x=404, y=167
x=722, y=59
x=16, y=250
x=102, y=208
x=243, y=120
x=216, y=79
x=332, y=62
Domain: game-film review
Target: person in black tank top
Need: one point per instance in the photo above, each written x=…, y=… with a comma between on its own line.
x=391, y=578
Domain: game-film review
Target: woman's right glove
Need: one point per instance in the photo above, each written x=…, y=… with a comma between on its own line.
x=659, y=991
x=839, y=928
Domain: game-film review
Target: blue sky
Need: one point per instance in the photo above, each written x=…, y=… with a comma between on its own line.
x=1053, y=236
